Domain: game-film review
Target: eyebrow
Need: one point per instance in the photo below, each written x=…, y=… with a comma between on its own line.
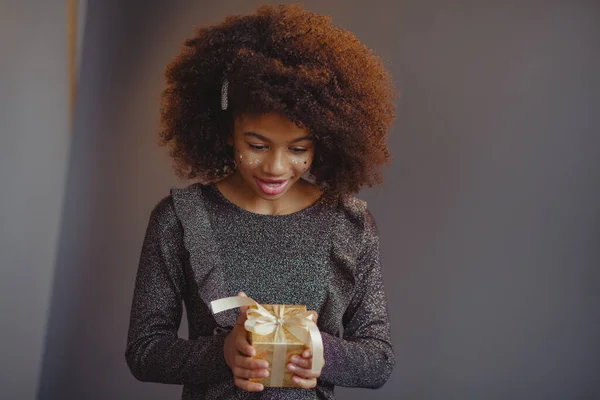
x=261, y=137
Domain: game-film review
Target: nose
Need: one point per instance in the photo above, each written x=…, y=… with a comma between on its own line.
x=276, y=164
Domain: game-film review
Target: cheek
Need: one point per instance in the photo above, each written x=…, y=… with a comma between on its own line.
x=302, y=163
x=247, y=158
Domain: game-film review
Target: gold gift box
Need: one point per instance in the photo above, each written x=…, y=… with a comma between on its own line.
x=264, y=346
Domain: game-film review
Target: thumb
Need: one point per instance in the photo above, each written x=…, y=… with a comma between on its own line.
x=243, y=295
x=243, y=309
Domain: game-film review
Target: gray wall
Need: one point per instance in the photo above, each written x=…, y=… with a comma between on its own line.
x=34, y=142
x=488, y=218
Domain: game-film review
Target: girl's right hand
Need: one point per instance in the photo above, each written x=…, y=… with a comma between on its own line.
x=238, y=353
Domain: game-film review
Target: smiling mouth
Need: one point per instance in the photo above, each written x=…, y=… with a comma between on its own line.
x=271, y=186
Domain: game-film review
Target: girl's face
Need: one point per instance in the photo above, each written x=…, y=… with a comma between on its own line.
x=271, y=153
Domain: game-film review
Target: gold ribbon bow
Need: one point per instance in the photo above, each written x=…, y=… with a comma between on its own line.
x=262, y=322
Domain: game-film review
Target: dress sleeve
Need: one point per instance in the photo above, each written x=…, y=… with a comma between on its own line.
x=154, y=351
x=364, y=356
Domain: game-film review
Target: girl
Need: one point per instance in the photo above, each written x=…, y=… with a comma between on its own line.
x=282, y=118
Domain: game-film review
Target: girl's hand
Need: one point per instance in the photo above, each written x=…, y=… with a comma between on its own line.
x=301, y=367
x=237, y=352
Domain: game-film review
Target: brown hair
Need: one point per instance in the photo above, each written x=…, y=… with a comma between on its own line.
x=287, y=60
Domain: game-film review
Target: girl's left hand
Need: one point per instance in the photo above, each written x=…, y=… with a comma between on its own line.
x=301, y=367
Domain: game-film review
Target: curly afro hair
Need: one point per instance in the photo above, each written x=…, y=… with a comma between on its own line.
x=287, y=60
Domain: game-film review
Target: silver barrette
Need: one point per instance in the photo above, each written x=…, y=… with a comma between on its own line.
x=224, y=90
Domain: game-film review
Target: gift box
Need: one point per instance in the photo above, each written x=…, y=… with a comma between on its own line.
x=268, y=347
x=277, y=332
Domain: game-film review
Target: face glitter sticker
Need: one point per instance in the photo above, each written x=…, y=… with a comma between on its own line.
x=253, y=160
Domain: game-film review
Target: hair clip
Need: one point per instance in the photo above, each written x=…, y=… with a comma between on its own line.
x=224, y=90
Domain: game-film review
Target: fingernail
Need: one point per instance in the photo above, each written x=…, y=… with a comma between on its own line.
x=291, y=367
x=265, y=374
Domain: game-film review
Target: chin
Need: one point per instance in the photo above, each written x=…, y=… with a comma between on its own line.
x=271, y=197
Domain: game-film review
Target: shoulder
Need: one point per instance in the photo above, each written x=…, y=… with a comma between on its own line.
x=163, y=215
x=353, y=205
x=355, y=234
x=353, y=208
x=168, y=211
x=355, y=214
x=192, y=190
x=188, y=200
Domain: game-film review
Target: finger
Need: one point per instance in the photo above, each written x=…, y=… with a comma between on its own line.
x=242, y=317
x=304, y=383
x=242, y=345
x=248, y=386
x=249, y=373
x=250, y=363
x=306, y=354
x=301, y=362
x=243, y=295
x=305, y=373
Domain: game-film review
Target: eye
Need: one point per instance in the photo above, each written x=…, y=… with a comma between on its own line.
x=299, y=149
x=257, y=147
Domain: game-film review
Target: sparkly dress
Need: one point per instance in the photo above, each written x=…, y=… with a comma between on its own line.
x=201, y=247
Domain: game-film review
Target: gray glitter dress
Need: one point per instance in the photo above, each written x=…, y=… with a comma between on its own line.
x=201, y=247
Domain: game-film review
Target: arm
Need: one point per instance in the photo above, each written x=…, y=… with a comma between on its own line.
x=364, y=357
x=154, y=351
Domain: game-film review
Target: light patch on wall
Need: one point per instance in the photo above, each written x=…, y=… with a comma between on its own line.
x=75, y=27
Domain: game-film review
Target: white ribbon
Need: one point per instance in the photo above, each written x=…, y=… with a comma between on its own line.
x=260, y=321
